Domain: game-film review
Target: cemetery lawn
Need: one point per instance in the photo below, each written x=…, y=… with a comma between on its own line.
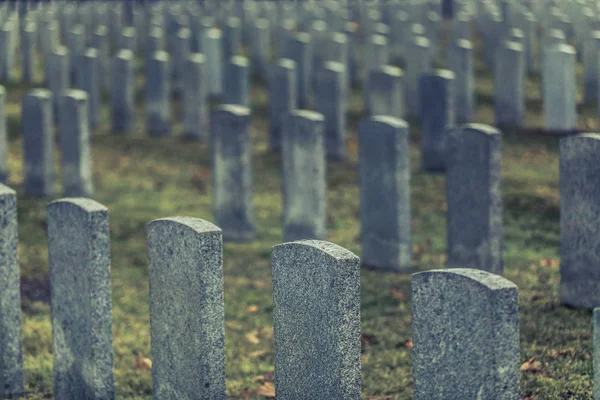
x=141, y=179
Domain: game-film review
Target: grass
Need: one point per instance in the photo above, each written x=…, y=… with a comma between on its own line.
x=140, y=179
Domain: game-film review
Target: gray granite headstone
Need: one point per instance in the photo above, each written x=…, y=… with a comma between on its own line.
x=232, y=38
x=386, y=92
x=7, y=53
x=559, y=89
x=303, y=176
x=460, y=61
x=76, y=161
x=231, y=151
x=437, y=113
x=418, y=61
x=38, y=143
x=213, y=50
x=195, y=91
x=591, y=71
x=282, y=99
x=384, y=161
x=330, y=101
x=180, y=54
x=11, y=347
x=186, y=307
x=236, y=85
x=465, y=327
x=87, y=80
x=3, y=138
x=474, y=198
x=76, y=43
x=579, y=238
x=259, y=47
x=122, y=101
x=79, y=259
x=57, y=76
x=29, y=53
x=316, y=321
x=509, y=85
x=158, y=92
x=299, y=51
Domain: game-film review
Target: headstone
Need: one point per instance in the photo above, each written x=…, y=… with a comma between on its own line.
x=158, y=91
x=7, y=53
x=316, y=321
x=559, y=89
x=122, y=98
x=57, y=67
x=465, y=337
x=299, y=51
x=213, y=50
x=591, y=71
x=579, y=261
x=186, y=306
x=99, y=42
x=460, y=61
x=259, y=48
x=282, y=99
x=330, y=101
x=232, y=38
x=236, y=85
x=76, y=43
x=437, y=113
x=11, y=346
x=79, y=259
x=231, y=150
x=127, y=40
x=418, y=61
x=75, y=146
x=509, y=85
x=376, y=56
x=3, y=138
x=303, y=176
x=385, y=92
x=88, y=81
x=385, y=193
x=195, y=107
x=38, y=144
x=474, y=198
x=29, y=52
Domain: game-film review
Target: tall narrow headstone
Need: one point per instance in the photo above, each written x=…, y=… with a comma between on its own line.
x=181, y=52
x=474, y=198
x=7, y=53
x=418, y=61
x=282, y=99
x=330, y=101
x=303, y=176
x=260, y=47
x=559, y=89
x=465, y=327
x=385, y=92
x=232, y=38
x=591, y=71
x=195, y=91
x=88, y=81
x=385, y=193
x=38, y=144
x=11, y=346
x=460, y=61
x=57, y=67
x=76, y=165
x=231, y=150
x=509, y=85
x=79, y=259
x=186, y=306
x=158, y=92
x=316, y=321
x=212, y=49
x=236, y=86
x=299, y=51
x=122, y=100
x=29, y=50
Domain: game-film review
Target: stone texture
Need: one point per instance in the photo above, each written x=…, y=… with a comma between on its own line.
x=158, y=91
x=76, y=161
x=304, y=191
x=195, y=92
x=579, y=206
x=509, y=85
x=122, y=96
x=186, y=306
x=38, y=144
x=474, y=198
x=559, y=89
x=465, y=335
x=384, y=161
x=316, y=321
x=385, y=92
x=11, y=347
x=419, y=61
x=231, y=161
x=79, y=259
x=236, y=85
x=330, y=101
x=282, y=99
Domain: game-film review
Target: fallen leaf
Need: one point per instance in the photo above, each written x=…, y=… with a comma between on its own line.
x=407, y=344
x=267, y=389
x=398, y=294
x=253, y=309
x=418, y=248
x=252, y=337
x=564, y=352
x=143, y=362
x=531, y=365
x=548, y=262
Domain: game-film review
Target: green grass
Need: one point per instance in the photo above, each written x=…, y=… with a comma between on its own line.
x=140, y=179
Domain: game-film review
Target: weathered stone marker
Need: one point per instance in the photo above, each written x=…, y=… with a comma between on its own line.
x=316, y=321
x=303, y=176
x=38, y=144
x=231, y=150
x=75, y=146
x=158, y=92
x=385, y=193
x=195, y=107
x=465, y=335
x=579, y=238
x=282, y=98
x=460, y=61
x=122, y=101
x=57, y=67
x=299, y=50
x=3, y=138
x=330, y=101
x=385, y=92
x=509, y=85
x=87, y=79
x=474, y=198
x=186, y=306
x=79, y=258
x=559, y=89
x=11, y=347
x=236, y=85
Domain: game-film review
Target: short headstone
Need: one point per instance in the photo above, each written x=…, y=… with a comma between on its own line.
x=465, y=337
x=460, y=61
x=236, y=85
x=76, y=161
x=231, y=150
x=38, y=144
x=79, y=260
x=282, y=99
x=474, y=198
x=11, y=347
x=303, y=176
x=559, y=89
x=316, y=321
x=122, y=96
x=158, y=92
x=509, y=85
x=186, y=306
x=385, y=193
x=330, y=101
x=195, y=107
x=437, y=114
x=385, y=92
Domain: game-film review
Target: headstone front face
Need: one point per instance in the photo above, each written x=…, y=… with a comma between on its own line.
x=122, y=101
x=418, y=61
x=3, y=138
x=316, y=321
x=38, y=144
x=236, y=85
x=460, y=61
x=330, y=101
x=57, y=67
x=474, y=198
x=465, y=336
x=579, y=238
x=385, y=92
x=7, y=53
x=212, y=48
x=180, y=54
x=509, y=85
x=559, y=89
x=299, y=50
x=303, y=176
x=11, y=347
x=29, y=52
x=437, y=114
x=195, y=91
x=87, y=80
x=282, y=99
x=79, y=259
x=75, y=148
x=158, y=92
x=231, y=150
x=186, y=306
x=385, y=193
x=591, y=72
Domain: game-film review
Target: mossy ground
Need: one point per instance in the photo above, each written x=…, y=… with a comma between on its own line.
x=140, y=179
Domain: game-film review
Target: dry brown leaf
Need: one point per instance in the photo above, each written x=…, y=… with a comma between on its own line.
x=548, y=262
x=564, y=352
x=398, y=294
x=407, y=344
x=418, y=248
x=252, y=337
x=253, y=309
x=531, y=365
x=143, y=362
x=267, y=389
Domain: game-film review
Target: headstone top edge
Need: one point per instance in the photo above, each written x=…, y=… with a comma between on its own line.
x=491, y=281
x=333, y=250
x=7, y=190
x=198, y=225
x=85, y=204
